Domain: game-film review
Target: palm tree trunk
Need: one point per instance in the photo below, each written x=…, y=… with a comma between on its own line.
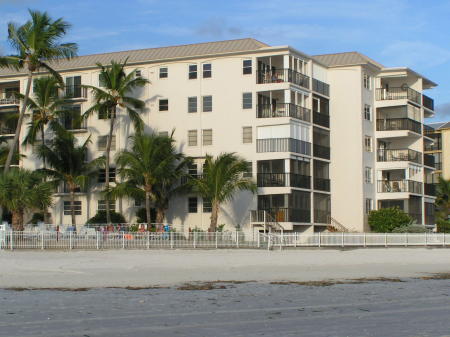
x=214, y=216
x=15, y=143
x=43, y=162
x=147, y=207
x=17, y=220
x=160, y=214
x=107, y=155
x=72, y=205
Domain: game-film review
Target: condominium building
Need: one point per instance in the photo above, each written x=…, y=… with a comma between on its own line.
x=439, y=149
x=278, y=108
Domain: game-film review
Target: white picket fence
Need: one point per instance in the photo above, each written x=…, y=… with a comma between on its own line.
x=147, y=240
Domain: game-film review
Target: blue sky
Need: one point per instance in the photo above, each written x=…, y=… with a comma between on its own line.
x=394, y=32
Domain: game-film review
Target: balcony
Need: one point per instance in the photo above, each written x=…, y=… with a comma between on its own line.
x=428, y=160
x=320, y=87
x=283, y=75
x=427, y=130
x=383, y=94
x=396, y=124
x=388, y=155
x=9, y=101
x=283, y=180
x=283, y=145
x=322, y=184
x=321, y=119
x=281, y=215
x=396, y=186
x=321, y=151
x=283, y=110
x=322, y=216
x=430, y=189
x=74, y=92
x=427, y=102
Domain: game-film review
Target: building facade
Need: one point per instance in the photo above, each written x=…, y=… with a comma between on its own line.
x=300, y=121
x=439, y=149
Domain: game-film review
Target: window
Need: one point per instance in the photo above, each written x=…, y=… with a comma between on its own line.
x=163, y=105
x=247, y=67
x=138, y=73
x=102, y=142
x=163, y=72
x=71, y=117
x=76, y=207
x=368, y=175
x=192, y=205
x=102, y=205
x=192, y=170
x=102, y=175
x=207, y=137
x=192, y=138
x=367, y=112
x=73, y=87
x=207, y=103
x=247, y=100
x=368, y=205
x=207, y=206
x=192, y=71
x=103, y=114
x=101, y=80
x=192, y=104
x=366, y=81
x=247, y=135
x=368, y=143
x=249, y=172
x=163, y=133
x=207, y=70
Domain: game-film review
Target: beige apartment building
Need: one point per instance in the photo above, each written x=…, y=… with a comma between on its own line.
x=439, y=149
x=327, y=138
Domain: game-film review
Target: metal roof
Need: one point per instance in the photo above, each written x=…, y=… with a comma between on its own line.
x=346, y=59
x=153, y=54
x=439, y=125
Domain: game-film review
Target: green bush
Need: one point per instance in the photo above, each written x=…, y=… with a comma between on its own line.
x=386, y=220
x=413, y=228
x=443, y=226
x=100, y=218
x=37, y=217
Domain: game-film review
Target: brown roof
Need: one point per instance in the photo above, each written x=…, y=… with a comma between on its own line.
x=346, y=59
x=153, y=54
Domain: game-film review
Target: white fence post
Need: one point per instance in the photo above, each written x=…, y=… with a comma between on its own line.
x=237, y=239
x=217, y=239
x=148, y=240
x=365, y=240
x=342, y=239
x=258, y=240
x=320, y=239
x=443, y=239
x=195, y=238
x=171, y=240
x=70, y=240
x=406, y=239
x=42, y=240
x=123, y=240
x=426, y=239
x=98, y=238
x=269, y=240
x=11, y=239
x=385, y=239
x=295, y=240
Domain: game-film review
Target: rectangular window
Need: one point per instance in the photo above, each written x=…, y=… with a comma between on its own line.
x=207, y=104
x=192, y=170
x=366, y=81
x=249, y=172
x=101, y=143
x=71, y=117
x=367, y=112
x=192, y=205
x=102, y=175
x=247, y=137
x=192, y=71
x=73, y=87
x=207, y=206
x=207, y=137
x=247, y=100
x=207, y=70
x=368, y=205
x=138, y=74
x=368, y=143
x=76, y=207
x=247, y=67
x=163, y=133
x=368, y=175
x=192, y=138
x=192, y=104
x=102, y=205
x=101, y=80
x=163, y=105
x=163, y=72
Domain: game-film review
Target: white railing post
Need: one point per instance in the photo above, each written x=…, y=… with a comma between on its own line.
x=269, y=240
x=443, y=239
x=70, y=240
x=426, y=239
x=171, y=240
x=406, y=239
x=320, y=239
x=42, y=240
x=98, y=239
x=148, y=240
x=342, y=239
x=258, y=240
x=217, y=239
x=237, y=239
x=11, y=239
x=295, y=240
x=195, y=239
x=365, y=242
x=385, y=240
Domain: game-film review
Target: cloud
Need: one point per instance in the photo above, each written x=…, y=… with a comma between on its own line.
x=416, y=54
x=217, y=28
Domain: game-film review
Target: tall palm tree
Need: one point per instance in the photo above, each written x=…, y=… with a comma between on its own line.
x=22, y=190
x=67, y=164
x=36, y=43
x=443, y=199
x=116, y=93
x=222, y=178
x=46, y=106
x=151, y=159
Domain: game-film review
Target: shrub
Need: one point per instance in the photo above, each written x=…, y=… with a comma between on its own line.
x=385, y=220
x=443, y=226
x=37, y=217
x=100, y=218
x=413, y=228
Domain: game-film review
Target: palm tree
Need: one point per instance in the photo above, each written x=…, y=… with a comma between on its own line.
x=151, y=159
x=37, y=42
x=222, y=178
x=22, y=190
x=443, y=199
x=116, y=93
x=46, y=107
x=67, y=163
